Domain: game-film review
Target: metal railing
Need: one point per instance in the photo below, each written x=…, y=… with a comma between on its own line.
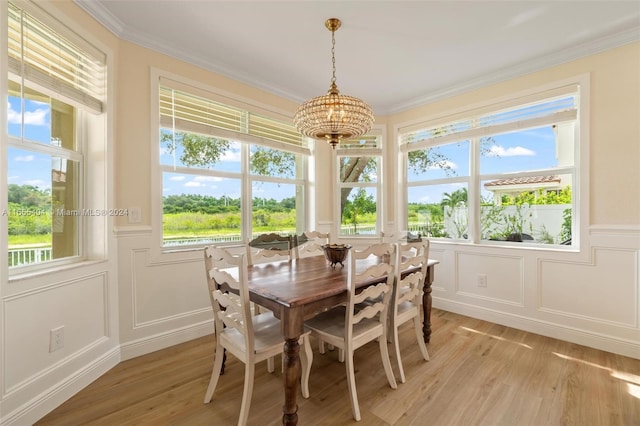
x=29, y=255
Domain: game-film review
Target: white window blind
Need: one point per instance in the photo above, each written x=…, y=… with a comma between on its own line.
x=45, y=58
x=190, y=113
x=363, y=145
x=548, y=111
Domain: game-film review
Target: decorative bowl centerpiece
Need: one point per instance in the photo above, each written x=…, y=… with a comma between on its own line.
x=336, y=253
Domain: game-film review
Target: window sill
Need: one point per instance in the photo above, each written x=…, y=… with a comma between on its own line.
x=30, y=272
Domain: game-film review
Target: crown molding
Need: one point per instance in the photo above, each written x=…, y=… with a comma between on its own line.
x=102, y=15
x=113, y=24
x=611, y=41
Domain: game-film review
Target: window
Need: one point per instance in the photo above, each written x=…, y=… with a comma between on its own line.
x=55, y=95
x=359, y=169
x=501, y=175
x=228, y=173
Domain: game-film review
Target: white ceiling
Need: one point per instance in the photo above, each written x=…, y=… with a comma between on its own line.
x=392, y=54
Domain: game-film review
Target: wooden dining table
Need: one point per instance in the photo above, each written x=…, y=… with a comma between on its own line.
x=299, y=289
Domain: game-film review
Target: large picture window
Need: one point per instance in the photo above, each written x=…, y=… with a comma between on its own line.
x=228, y=174
x=55, y=91
x=506, y=175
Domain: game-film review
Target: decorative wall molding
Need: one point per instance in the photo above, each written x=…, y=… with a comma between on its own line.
x=133, y=231
x=40, y=405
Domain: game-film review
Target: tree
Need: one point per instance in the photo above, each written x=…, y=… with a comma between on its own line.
x=361, y=204
x=206, y=151
x=198, y=150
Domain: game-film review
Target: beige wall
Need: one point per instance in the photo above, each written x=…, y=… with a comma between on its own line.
x=615, y=126
x=133, y=115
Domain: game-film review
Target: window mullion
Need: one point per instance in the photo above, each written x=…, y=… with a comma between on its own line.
x=473, y=201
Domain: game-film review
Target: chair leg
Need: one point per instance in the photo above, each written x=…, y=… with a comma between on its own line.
x=417, y=326
x=396, y=345
x=351, y=382
x=215, y=374
x=271, y=364
x=384, y=353
x=306, y=359
x=321, y=346
x=249, y=373
x=340, y=354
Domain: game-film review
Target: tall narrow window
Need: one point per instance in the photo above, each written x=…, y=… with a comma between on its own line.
x=56, y=86
x=360, y=168
x=505, y=175
x=227, y=174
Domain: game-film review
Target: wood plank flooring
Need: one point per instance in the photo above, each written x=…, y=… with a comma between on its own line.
x=479, y=374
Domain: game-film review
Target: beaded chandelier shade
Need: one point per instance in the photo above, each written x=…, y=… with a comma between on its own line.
x=333, y=117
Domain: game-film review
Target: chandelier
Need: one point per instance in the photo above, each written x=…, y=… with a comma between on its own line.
x=333, y=117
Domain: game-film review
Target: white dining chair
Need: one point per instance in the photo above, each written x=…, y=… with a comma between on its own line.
x=352, y=326
x=310, y=243
x=406, y=302
x=251, y=339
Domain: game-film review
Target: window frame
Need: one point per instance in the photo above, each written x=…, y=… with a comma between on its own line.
x=579, y=170
x=247, y=178
x=90, y=118
x=375, y=149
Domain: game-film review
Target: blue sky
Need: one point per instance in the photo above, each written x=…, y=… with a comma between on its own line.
x=525, y=150
x=25, y=167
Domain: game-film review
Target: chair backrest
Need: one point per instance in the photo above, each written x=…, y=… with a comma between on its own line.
x=377, y=295
x=411, y=255
x=229, y=292
x=310, y=243
x=269, y=248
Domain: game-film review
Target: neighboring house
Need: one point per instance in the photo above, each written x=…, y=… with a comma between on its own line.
x=515, y=186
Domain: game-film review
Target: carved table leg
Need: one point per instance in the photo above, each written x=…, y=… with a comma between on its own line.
x=224, y=361
x=291, y=377
x=426, y=304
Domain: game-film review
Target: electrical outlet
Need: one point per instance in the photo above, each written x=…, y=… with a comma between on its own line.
x=482, y=280
x=56, y=338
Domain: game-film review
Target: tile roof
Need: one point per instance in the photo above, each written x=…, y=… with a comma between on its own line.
x=530, y=180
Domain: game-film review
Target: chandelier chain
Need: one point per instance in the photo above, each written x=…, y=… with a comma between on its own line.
x=333, y=55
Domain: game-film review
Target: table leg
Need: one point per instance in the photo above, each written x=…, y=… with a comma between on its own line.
x=291, y=377
x=426, y=304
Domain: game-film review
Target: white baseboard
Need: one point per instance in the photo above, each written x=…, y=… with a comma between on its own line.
x=159, y=341
x=556, y=331
x=41, y=405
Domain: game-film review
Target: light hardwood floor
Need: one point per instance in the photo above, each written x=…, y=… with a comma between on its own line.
x=479, y=374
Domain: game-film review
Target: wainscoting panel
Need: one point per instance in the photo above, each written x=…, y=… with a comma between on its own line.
x=80, y=306
x=590, y=297
x=163, y=290
x=602, y=290
x=499, y=278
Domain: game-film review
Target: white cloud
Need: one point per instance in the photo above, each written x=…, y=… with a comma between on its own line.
x=516, y=151
x=36, y=118
x=193, y=184
x=231, y=155
x=38, y=182
x=207, y=179
x=24, y=158
x=177, y=178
